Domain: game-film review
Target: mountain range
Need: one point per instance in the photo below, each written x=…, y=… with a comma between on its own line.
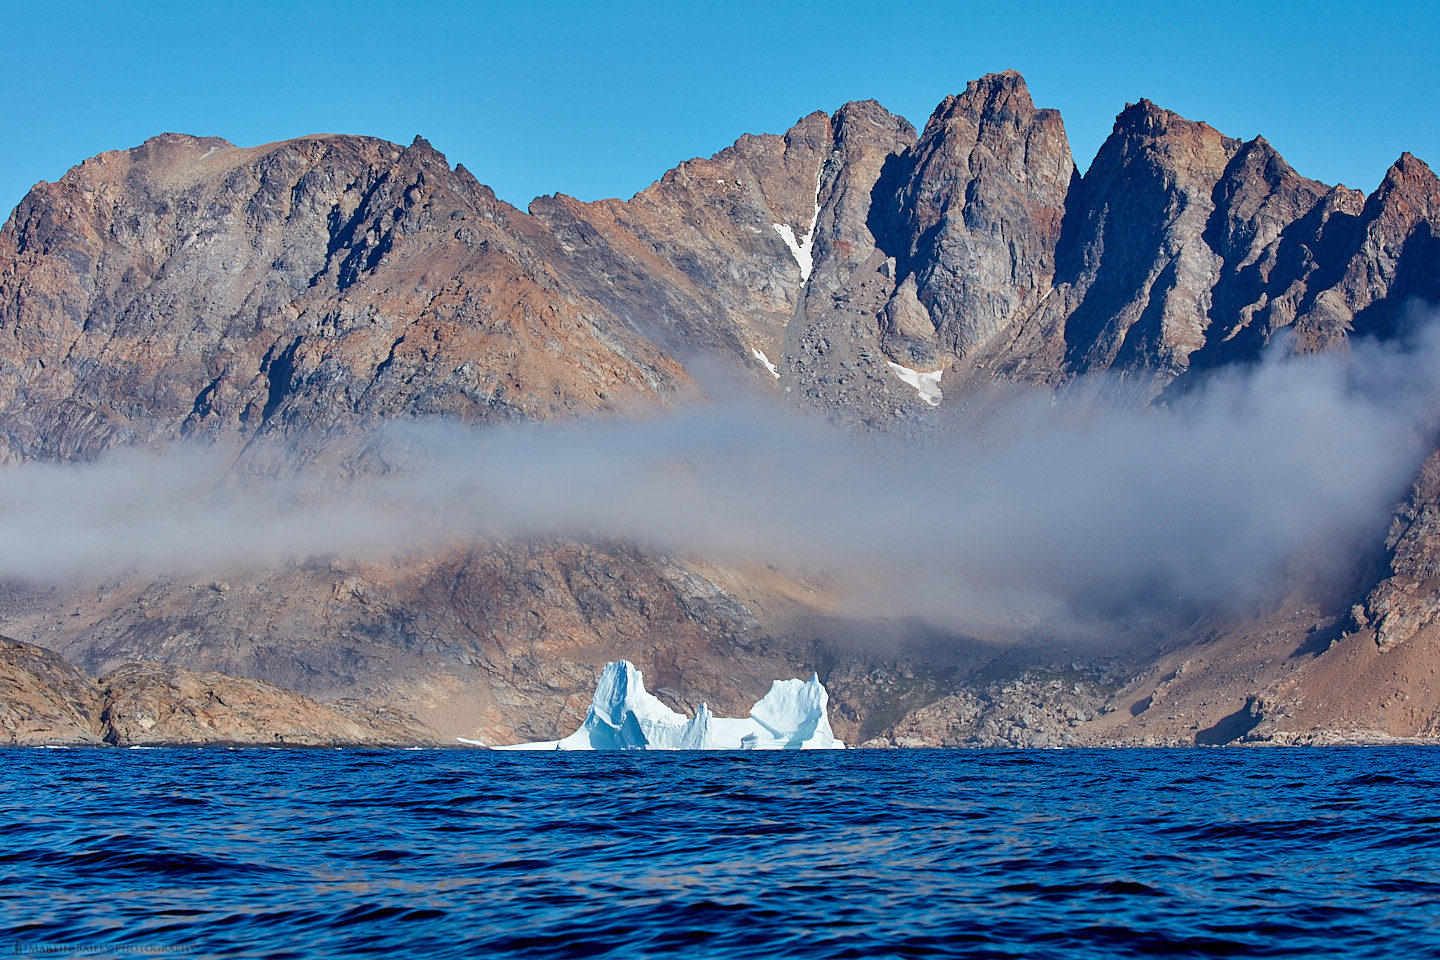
x=850, y=271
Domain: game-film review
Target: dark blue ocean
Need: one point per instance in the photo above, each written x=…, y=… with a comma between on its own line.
x=1123, y=853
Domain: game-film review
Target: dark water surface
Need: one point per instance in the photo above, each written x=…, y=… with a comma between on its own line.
x=253, y=853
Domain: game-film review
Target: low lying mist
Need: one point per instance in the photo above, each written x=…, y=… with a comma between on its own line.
x=1016, y=509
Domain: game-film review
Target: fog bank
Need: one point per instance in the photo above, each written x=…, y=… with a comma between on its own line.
x=1020, y=508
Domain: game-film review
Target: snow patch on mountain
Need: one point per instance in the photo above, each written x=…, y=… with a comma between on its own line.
x=925, y=384
x=803, y=248
x=800, y=249
x=759, y=354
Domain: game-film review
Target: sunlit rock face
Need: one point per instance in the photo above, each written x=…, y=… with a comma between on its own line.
x=45, y=701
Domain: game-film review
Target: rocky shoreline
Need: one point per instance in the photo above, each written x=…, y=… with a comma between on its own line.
x=47, y=702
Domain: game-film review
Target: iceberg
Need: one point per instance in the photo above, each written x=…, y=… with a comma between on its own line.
x=624, y=716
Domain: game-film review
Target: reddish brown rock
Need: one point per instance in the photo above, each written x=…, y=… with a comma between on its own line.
x=45, y=700
x=833, y=359
x=1138, y=265
x=977, y=217
x=1396, y=264
x=695, y=259
x=153, y=704
x=1407, y=598
x=300, y=286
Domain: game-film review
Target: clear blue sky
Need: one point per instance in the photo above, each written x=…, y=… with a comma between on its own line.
x=599, y=99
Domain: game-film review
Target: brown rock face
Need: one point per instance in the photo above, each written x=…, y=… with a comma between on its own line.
x=46, y=701
x=1237, y=248
x=310, y=289
x=147, y=703
x=1408, y=597
x=476, y=643
x=695, y=259
x=832, y=360
x=1266, y=227
x=976, y=216
x=1398, y=256
x=1139, y=267
x=306, y=285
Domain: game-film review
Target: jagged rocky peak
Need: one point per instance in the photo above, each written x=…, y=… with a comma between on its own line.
x=1258, y=195
x=1138, y=261
x=867, y=120
x=807, y=145
x=974, y=218
x=1181, y=155
x=1396, y=268
x=994, y=102
x=1413, y=174
x=832, y=358
x=1408, y=197
x=711, y=255
x=866, y=138
x=1265, y=229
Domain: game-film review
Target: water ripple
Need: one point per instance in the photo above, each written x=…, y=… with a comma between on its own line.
x=251, y=853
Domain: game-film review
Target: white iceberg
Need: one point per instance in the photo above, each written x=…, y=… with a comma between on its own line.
x=623, y=716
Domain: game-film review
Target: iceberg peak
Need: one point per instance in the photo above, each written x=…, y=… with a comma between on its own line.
x=624, y=716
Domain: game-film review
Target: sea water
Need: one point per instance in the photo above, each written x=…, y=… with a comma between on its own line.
x=1094, y=853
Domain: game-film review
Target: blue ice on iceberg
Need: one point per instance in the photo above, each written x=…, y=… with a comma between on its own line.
x=623, y=716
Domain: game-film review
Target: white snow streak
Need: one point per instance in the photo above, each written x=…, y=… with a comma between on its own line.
x=800, y=249
x=925, y=384
x=804, y=248
x=760, y=355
